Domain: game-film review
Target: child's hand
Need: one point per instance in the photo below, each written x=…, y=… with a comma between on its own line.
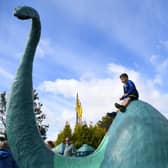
x=124, y=96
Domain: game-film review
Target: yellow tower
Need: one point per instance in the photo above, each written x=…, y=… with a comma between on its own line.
x=78, y=110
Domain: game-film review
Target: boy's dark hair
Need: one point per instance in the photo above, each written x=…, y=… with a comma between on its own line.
x=123, y=75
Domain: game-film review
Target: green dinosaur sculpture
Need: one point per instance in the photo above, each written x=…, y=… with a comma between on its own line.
x=138, y=138
x=23, y=135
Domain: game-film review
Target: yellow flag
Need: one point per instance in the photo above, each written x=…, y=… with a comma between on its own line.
x=78, y=107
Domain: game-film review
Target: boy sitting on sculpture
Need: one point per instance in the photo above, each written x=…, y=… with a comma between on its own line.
x=130, y=94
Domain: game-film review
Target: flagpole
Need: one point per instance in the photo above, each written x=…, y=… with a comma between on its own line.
x=78, y=110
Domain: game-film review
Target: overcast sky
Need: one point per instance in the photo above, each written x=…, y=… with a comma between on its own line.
x=84, y=46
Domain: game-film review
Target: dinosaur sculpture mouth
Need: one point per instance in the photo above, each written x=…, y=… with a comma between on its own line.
x=21, y=16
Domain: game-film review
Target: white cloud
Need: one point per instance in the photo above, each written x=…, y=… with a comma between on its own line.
x=160, y=66
x=127, y=22
x=98, y=95
x=67, y=87
x=5, y=74
x=45, y=48
x=58, y=110
x=6, y=79
x=116, y=70
x=70, y=58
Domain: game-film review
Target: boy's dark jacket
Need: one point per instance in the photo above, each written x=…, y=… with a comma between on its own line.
x=130, y=89
x=6, y=159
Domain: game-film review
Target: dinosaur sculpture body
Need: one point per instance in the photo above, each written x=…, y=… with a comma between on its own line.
x=137, y=138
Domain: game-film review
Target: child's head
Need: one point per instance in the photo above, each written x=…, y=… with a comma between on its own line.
x=124, y=77
x=50, y=144
x=4, y=144
x=67, y=141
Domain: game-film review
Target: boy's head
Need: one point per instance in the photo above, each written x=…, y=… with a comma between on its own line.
x=124, y=77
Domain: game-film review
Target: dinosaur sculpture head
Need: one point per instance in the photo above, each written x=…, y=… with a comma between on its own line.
x=25, y=12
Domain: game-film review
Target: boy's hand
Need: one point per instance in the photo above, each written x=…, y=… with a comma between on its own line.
x=121, y=98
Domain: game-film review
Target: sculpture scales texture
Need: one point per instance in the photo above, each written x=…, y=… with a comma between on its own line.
x=137, y=138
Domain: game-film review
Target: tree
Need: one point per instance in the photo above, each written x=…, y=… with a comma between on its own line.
x=98, y=134
x=106, y=121
x=83, y=134
x=78, y=135
x=66, y=132
x=40, y=116
x=3, y=108
x=2, y=115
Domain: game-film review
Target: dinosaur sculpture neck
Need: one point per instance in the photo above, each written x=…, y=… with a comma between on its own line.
x=34, y=36
x=23, y=135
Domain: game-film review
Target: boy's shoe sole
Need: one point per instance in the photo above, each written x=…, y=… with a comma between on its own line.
x=120, y=107
x=112, y=114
